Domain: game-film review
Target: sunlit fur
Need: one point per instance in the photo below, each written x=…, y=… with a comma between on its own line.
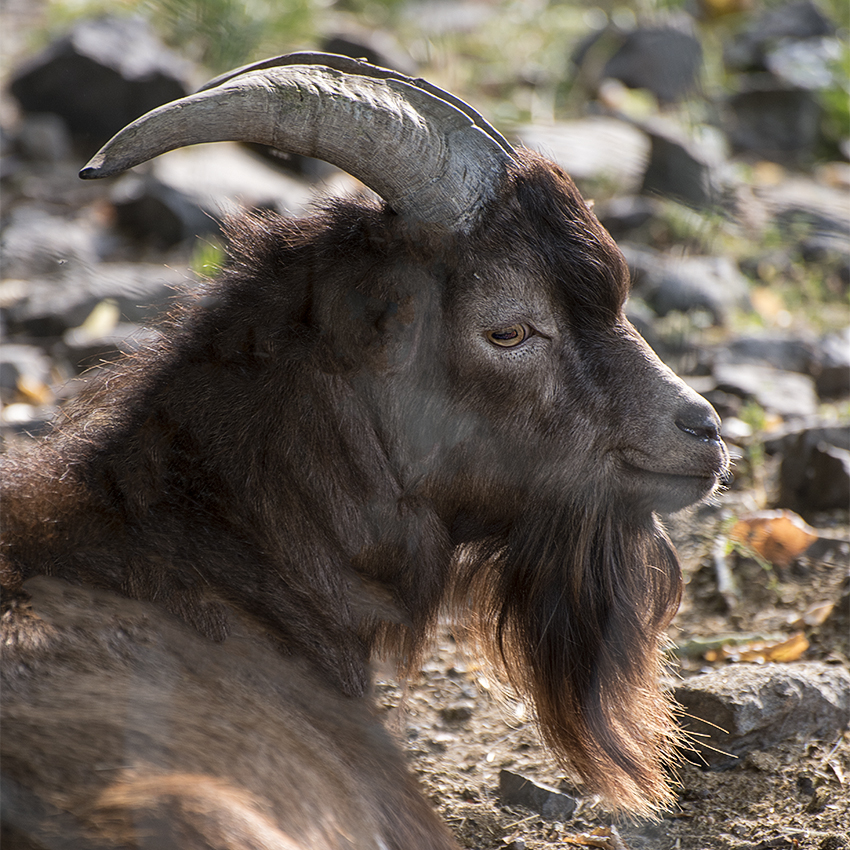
x=323, y=452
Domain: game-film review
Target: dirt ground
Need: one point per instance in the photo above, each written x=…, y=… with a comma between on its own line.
x=460, y=733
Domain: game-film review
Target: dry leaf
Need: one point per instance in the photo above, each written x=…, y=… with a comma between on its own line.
x=761, y=651
x=814, y=615
x=778, y=536
x=604, y=837
x=34, y=391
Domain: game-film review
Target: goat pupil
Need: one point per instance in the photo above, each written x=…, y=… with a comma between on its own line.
x=507, y=336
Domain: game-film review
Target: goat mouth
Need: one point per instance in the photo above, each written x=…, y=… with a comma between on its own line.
x=669, y=490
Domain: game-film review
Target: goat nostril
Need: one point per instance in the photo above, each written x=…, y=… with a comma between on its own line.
x=704, y=429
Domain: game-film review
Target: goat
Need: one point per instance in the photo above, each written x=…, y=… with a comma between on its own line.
x=377, y=411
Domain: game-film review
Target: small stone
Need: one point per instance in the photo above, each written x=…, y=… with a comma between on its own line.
x=833, y=842
x=456, y=713
x=517, y=790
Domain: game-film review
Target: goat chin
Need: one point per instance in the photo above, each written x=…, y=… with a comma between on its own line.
x=572, y=606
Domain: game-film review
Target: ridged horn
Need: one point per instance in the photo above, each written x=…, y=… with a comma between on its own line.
x=430, y=156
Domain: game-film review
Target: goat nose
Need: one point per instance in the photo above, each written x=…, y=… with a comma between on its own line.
x=699, y=421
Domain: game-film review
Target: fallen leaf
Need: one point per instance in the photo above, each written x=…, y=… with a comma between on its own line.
x=784, y=651
x=34, y=391
x=814, y=615
x=604, y=837
x=777, y=536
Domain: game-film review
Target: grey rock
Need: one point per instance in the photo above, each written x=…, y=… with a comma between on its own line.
x=27, y=419
x=788, y=394
x=517, y=790
x=814, y=474
x=801, y=19
x=776, y=351
x=799, y=200
x=142, y=290
x=759, y=706
x=665, y=60
x=101, y=76
x=774, y=122
x=594, y=148
x=44, y=137
x=226, y=178
x=153, y=211
x=37, y=244
x=807, y=64
x=832, y=365
x=683, y=168
x=712, y=284
x=827, y=360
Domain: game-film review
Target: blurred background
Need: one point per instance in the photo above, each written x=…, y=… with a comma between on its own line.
x=713, y=137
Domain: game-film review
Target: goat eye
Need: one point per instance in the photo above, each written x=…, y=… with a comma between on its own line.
x=509, y=337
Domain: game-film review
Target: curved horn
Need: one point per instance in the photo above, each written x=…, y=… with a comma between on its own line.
x=428, y=154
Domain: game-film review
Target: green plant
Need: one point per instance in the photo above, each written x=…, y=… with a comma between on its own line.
x=207, y=257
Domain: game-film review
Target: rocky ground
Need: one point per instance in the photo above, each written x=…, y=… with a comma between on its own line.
x=741, y=267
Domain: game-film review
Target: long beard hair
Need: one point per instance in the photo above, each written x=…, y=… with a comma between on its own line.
x=571, y=607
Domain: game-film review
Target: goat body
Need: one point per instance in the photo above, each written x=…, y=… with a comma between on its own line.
x=367, y=417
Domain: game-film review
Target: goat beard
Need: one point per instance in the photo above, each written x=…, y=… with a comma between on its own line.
x=571, y=605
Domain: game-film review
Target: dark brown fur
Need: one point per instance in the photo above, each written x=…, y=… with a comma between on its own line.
x=325, y=451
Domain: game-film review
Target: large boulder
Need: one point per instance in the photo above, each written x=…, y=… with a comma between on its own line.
x=99, y=77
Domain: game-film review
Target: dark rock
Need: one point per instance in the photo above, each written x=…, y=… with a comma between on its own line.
x=457, y=713
x=777, y=351
x=664, y=60
x=48, y=308
x=682, y=168
x=814, y=474
x=516, y=790
x=798, y=20
x=44, y=137
x=774, y=122
x=832, y=365
x=153, y=211
x=788, y=394
x=759, y=706
x=101, y=76
x=799, y=203
x=712, y=284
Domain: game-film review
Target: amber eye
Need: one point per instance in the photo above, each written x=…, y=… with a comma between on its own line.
x=508, y=337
